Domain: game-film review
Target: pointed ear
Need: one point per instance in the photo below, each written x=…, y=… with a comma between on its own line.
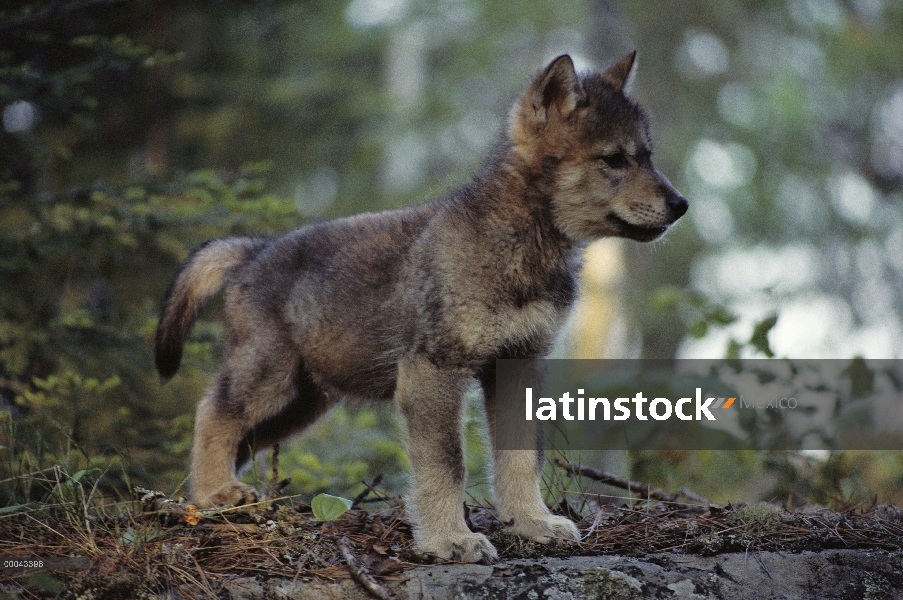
x=557, y=87
x=620, y=75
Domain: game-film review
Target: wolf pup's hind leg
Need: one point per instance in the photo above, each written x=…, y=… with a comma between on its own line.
x=217, y=435
x=308, y=403
x=260, y=397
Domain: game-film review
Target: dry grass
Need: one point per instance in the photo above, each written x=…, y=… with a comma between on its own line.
x=150, y=546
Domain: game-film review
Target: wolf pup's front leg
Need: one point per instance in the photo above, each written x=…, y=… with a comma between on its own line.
x=520, y=503
x=430, y=398
x=518, y=458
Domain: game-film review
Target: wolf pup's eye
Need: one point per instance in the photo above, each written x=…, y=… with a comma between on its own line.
x=618, y=160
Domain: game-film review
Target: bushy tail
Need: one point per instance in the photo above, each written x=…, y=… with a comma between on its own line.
x=200, y=279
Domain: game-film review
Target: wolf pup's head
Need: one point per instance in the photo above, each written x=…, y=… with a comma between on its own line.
x=590, y=144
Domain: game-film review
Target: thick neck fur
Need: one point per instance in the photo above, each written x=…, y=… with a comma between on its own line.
x=510, y=205
x=520, y=193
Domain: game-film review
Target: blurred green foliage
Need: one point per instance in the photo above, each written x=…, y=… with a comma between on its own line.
x=132, y=131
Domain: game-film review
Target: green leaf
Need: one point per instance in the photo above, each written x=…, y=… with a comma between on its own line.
x=759, y=337
x=666, y=298
x=669, y=296
x=17, y=507
x=862, y=379
x=699, y=329
x=733, y=349
x=128, y=537
x=328, y=507
x=721, y=316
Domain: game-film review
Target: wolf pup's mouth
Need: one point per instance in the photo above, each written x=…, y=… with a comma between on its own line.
x=636, y=232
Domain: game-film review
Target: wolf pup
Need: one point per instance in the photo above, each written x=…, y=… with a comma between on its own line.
x=414, y=305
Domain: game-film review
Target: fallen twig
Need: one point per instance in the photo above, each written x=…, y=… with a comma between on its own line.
x=644, y=490
x=361, y=574
x=691, y=495
x=369, y=488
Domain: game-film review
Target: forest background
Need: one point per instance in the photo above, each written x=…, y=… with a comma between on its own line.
x=133, y=130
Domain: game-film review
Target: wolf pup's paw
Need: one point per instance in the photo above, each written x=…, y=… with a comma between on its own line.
x=236, y=494
x=545, y=529
x=466, y=547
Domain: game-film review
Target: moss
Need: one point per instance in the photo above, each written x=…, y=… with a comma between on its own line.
x=760, y=515
x=604, y=583
x=707, y=544
x=513, y=546
x=876, y=587
x=119, y=586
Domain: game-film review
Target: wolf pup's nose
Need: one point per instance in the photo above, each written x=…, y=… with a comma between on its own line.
x=678, y=205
